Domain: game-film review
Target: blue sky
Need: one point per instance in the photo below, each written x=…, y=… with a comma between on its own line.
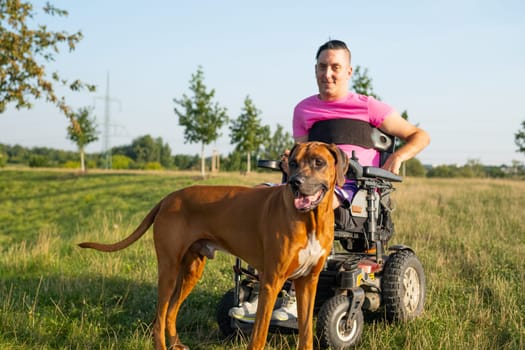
x=457, y=67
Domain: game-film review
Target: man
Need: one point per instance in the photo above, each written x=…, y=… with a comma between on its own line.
x=334, y=101
x=333, y=71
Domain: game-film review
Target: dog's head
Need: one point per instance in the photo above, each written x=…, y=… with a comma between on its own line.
x=314, y=170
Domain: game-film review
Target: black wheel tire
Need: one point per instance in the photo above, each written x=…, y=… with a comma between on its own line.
x=403, y=286
x=332, y=330
x=225, y=304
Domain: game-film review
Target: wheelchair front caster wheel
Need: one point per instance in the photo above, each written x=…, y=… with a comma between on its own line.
x=333, y=329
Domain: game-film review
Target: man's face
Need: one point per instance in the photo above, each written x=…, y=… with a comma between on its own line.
x=333, y=72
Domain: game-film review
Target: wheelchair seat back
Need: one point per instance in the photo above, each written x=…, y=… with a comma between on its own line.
x=353, y=132
x=351, y=224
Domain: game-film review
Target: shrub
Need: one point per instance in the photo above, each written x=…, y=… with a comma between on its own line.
x=152, y=166
x=119, y=161
x=38, y=161
x=71, y=164
x=91, y=164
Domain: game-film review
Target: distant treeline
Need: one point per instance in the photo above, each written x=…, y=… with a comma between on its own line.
x=150, y=153
x=144, y=152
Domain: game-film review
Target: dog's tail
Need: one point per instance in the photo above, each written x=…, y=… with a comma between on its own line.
x=139, y=232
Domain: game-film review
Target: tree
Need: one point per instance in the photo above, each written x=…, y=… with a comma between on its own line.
x=247, y=133
x=473, y=168
x=25, y=50
x=519, y=138
x=362, y=83
x=279, y=142
x=146, y=149
x=185, y=161
x=82, y=131
x=3, y=156
x=201, y=118
x=413, y=167
x=444, y=171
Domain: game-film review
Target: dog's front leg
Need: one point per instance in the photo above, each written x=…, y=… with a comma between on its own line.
x=269, y=288
x=305, y=289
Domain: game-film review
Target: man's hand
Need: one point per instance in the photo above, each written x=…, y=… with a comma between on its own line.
x=393, y=164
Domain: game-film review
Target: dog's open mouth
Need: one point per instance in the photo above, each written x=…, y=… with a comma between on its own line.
x=305, y=202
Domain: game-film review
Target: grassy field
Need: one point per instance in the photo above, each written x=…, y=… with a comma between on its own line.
x=469, y=235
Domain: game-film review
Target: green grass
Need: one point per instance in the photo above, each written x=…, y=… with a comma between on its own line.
x=469, y=235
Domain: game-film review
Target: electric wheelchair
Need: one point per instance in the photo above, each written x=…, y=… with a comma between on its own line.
x=362, y=272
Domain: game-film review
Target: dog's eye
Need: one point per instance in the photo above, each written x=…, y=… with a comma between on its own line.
x=319, y=162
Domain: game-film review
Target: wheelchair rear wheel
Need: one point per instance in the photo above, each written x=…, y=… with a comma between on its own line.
x=403, y=286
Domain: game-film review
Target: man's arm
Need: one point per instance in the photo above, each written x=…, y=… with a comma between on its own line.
x=416, y=140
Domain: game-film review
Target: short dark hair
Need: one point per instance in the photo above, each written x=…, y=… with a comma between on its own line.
x=333, y=45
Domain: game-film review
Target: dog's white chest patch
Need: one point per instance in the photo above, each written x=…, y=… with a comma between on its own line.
x=308, y=257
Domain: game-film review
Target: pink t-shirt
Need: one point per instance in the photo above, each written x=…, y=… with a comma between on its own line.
x=353, y=106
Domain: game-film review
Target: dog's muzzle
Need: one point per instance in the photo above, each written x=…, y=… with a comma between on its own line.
x=306, y=196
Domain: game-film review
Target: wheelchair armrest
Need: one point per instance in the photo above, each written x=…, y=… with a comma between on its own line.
x=274, y=165
x=374, y=172
x=269, y=164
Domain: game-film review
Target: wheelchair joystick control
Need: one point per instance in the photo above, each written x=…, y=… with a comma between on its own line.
x=354, y=158
x=355, y=170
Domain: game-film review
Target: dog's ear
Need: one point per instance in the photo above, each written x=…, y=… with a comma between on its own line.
x=341, y=163
x=293, y=149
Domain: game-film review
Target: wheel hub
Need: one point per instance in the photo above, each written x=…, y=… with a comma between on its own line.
x=346, y=329
x=411, y=285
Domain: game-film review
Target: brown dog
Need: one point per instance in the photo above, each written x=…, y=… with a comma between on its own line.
x=282, y=231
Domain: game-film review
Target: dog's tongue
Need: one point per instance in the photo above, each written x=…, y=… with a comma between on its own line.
x=304, y=202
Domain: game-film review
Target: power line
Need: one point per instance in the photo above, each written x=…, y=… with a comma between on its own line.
x=106, y=144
